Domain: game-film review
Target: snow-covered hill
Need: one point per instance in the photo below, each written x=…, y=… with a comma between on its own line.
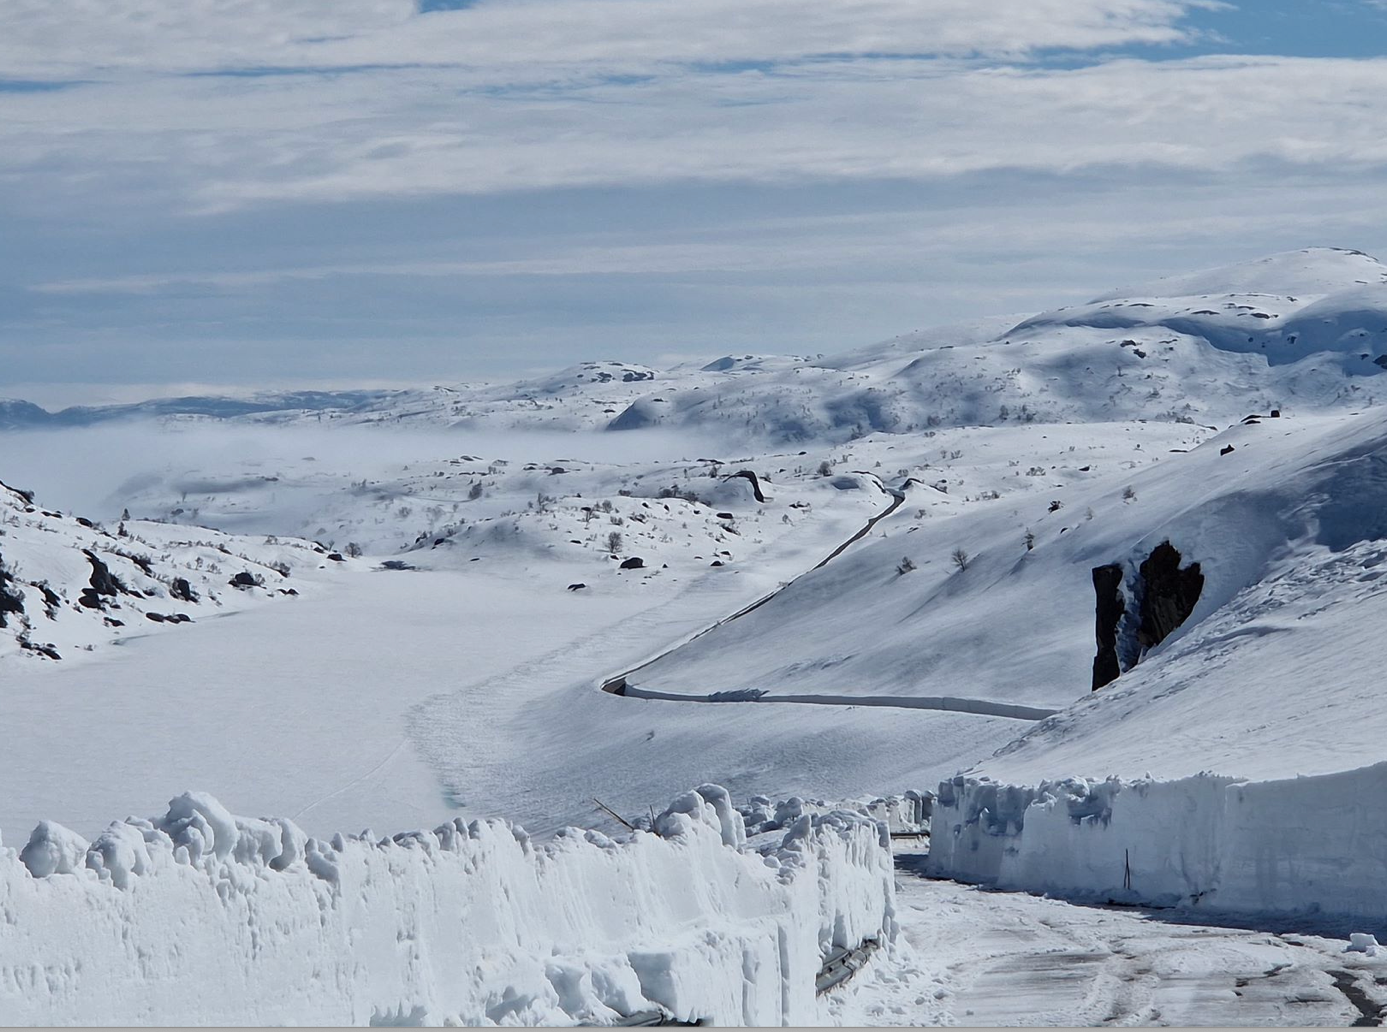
x=68, y=584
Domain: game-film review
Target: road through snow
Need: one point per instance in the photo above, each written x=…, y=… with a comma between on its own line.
x=619, y=684
x=977, y=957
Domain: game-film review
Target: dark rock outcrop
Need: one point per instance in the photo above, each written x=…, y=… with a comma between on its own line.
x=103, y=581
x=634, y=563
x=11, y=599
x=1168, y=594
x=1165, y=596
x=1107, y=586
x=182, y=590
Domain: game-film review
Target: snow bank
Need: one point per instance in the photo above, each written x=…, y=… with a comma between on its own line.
x=1311, y=846
x=203, y=917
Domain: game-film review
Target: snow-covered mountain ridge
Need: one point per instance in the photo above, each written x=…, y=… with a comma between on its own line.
x=1301, y=330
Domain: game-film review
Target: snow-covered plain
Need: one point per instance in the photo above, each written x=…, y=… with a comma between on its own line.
x=508, y=550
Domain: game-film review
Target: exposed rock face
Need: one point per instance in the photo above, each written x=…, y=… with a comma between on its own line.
x=181, y=589
x=634, y=563
x=104, y=584
x=1165, y=596
x=11, y=600
x=1168, y=594
x=103, y=581
x=1107, y=586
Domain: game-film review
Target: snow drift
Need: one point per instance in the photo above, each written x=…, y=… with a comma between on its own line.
x=1313, y=848
x=203, y=917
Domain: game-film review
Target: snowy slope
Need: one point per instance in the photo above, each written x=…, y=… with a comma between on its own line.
x=68, y=584
x=1301, y=331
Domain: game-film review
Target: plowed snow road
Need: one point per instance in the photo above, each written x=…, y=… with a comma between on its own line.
x=620, y=684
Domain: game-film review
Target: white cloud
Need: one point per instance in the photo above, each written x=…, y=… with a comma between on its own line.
x=370, y=109
x=95, y=37
x=221, y=144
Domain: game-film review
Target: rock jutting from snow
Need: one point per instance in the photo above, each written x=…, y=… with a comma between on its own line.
x=1165, y=595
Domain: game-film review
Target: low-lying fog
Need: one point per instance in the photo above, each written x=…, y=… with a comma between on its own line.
x=91, y=470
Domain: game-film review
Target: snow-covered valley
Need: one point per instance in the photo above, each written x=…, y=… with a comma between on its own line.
x=1102, y=583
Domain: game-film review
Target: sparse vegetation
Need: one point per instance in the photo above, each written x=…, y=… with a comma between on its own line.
x=960, y=558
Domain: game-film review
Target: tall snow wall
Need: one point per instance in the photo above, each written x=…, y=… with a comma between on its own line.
x=1311, y=847
x=200, y=917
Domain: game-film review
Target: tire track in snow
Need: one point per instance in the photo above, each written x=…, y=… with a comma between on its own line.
x=619, y=684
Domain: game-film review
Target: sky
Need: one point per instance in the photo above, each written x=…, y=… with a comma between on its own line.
x=228, y=194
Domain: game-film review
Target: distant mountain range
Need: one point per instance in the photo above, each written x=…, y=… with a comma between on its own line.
x=16, y=414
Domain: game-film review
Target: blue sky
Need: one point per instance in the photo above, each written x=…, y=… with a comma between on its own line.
x=209, y=194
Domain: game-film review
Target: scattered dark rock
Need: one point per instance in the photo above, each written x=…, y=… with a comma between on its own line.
x=1226, y=449
x=86, y=522
x=245, y=579
x=11, y=601
x=336, y=557
x=1275, y=413
x=51, y=601
x=577, y=587
x=726, y=516
x=156, y=617
x=716, y=562
x=182, y=590
x=111, y=621
x=48, y=651
x=634, y=563
x=396, y=564
x=103, y=581
x=288, y=591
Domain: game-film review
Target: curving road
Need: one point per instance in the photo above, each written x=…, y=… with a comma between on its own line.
x=620, y=684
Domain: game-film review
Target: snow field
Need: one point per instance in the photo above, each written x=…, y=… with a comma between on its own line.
x=203, y=917
x=1310, y=848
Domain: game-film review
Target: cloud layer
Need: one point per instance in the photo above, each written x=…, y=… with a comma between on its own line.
x=190, y=187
